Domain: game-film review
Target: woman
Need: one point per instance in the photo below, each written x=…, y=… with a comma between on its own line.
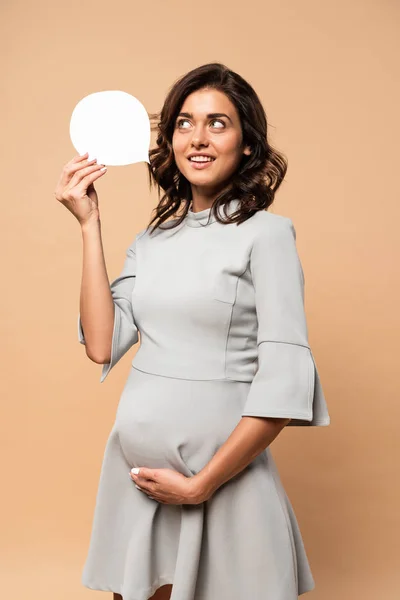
x=224, y=362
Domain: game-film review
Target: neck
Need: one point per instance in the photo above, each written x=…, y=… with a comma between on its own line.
x=203, y=198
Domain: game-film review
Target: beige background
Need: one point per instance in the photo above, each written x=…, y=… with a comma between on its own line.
x=328, y=78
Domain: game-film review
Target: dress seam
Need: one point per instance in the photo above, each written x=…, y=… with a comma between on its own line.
x=188, y=378
x=239, y=277
x=283, y=342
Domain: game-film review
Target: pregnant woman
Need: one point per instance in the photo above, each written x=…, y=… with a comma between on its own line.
x=190, y=505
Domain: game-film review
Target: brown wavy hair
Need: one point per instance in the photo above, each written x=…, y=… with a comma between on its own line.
x=258, y=175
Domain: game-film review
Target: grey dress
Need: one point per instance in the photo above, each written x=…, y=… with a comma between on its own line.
x=223, y=334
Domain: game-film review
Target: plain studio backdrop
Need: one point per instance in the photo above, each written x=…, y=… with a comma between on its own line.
x=327, y=74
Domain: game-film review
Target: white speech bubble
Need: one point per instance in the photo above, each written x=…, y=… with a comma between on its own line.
x=112, y=126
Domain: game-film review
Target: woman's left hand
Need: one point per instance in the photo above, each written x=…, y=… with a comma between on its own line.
x=167, y=486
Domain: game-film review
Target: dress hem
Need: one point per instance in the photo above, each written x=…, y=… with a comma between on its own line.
x=282, y=415
x=163, y=580
x=143, y=595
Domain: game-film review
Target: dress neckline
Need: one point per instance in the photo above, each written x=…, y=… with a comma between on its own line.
x=203, y=217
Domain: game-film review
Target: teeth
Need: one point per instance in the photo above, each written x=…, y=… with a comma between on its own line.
x=201, y=158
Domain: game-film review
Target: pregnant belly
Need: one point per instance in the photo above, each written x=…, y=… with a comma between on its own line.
x=164, y=422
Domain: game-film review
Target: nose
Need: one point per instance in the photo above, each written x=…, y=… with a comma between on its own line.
x=199, y=137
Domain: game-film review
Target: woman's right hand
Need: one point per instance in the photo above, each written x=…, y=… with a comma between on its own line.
x=75, y=189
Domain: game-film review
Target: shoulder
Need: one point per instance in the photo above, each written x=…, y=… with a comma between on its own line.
x=131, y=249
x=270, y=226
x=163, y=229
x=141, y=234
x=274, y=242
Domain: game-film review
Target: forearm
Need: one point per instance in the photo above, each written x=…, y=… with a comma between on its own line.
x=250, y=437
x=96, y=303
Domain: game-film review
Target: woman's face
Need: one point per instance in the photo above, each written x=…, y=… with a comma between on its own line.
x=208, y=124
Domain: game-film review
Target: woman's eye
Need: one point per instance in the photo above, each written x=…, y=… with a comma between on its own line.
x=218, y=121
x=180, y=121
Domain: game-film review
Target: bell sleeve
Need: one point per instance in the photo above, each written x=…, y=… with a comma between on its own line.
x=125, y=332
x=287, y=382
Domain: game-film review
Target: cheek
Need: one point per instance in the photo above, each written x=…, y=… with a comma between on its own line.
x=229, y=159
x=179, y=157
x=177, y=146
x=228, y=148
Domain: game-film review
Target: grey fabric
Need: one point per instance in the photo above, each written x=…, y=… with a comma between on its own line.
x=223, y=334
x=125, y=332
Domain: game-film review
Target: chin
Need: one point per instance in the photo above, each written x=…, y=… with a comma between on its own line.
x=207, y=184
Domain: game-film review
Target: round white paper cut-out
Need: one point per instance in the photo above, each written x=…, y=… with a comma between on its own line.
x=113, y=126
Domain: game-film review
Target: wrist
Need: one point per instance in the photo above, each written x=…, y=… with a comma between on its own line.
x=93, y=224
x=201, y=488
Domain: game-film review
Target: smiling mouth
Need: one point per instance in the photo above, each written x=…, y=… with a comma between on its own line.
x=201, y=165
x=201, y=160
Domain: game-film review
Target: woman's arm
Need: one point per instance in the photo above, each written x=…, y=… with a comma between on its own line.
x=108, y=305
x=96, y=303
x=250, y=437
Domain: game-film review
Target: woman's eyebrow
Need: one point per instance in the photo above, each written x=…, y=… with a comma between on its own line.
x=209, y=116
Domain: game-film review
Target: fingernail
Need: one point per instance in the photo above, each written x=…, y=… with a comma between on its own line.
x=138, y=487
x=135, y=470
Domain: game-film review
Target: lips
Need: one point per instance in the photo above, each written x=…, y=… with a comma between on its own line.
x=202, y=158
x=199, y=165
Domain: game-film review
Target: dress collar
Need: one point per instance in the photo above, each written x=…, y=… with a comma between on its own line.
x=200, y=218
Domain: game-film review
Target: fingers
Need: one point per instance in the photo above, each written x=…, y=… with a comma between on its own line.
x=79, y=157
x=145, y=491
x=80, y=168
x=70, y=168
x=77, y=174
x=69, y=181
x=147, y=474
x=145, y=484
x=80, y=173
x=77, y=162
x=83, y=178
